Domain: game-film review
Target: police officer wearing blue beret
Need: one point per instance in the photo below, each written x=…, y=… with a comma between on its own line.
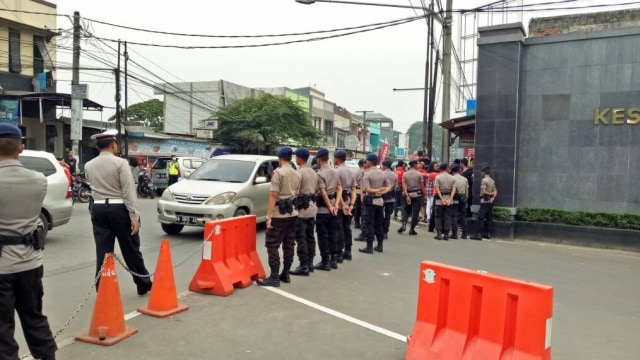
x=357, y=207
x=374, y=185
x=389, y=197
x=348, y=183
x=21, y=244
x=307, y=210
x=328, y=201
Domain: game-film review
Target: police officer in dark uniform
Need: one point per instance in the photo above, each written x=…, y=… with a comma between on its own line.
x=374, y=184
x=114, y=210
x=357, y=207
x=348, y=184
x=413, y=190
x=446, y=205
x=328, y=203
x=488, y=193
x=306, y=206
x=21, y=244
x=282, y=217
x=389, y=197
x=462, y=190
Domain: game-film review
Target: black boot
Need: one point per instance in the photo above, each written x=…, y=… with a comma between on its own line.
x=360, y=237
x=310, y=265
x=386, y=236
x=284, y=276
x=438, y=235
x=454, y=234
x=347, y=254
x=464, y=235
x=368, y=249
x=333, y=262
x=272, y=280
x=413, y=231
x=403, y=228
x=302, y=270
x=357, y=225
x=323, y=265
x=476, y=237
x=339, y=257
x=378, y=248
x=445, y=236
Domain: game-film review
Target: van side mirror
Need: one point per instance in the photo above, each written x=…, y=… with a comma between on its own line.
x=261, y=180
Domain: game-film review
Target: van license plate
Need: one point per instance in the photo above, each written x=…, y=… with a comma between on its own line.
x=162, y=176
x=189, y=220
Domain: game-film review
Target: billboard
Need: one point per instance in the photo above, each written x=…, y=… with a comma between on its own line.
x=168, y=147
x=9, y=112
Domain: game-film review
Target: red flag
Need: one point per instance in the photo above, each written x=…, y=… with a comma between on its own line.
x=384, y=150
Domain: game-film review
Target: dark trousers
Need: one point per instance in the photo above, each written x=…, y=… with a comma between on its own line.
x=413, y=209
x=445, y=217
x=399, y=204
x=326, y=227
x=111, y=221
x=172, y=179
x=305, y=239
x=388, y=213
x=343, y=233
x=462, y=216
x=374, y=223
x=282, y=232
x=357, y=210
x=432, y=219
x=23, y=292
x=485, y=219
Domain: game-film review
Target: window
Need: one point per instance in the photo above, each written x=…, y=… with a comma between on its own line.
x=14, y=51
x=328, y=128
x=38, y=58
x=38, y=164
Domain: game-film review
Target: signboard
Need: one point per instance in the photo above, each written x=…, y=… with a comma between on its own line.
x=76, y=119
x=167, y=147
x=204, y=133
x=351, y=142
x=471, y=106
x=399, y=152
x=469, y=153
x=466, y=141
x=210, y=124
x=384, y=150
x=79, y=91
x=9, y=112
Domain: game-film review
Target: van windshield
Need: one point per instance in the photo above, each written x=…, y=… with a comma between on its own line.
x=161, y=164
x=224, y=170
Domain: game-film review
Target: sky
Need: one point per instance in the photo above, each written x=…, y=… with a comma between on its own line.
x=358, y=72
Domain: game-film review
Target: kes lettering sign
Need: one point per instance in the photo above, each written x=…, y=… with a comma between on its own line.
x=616, y=116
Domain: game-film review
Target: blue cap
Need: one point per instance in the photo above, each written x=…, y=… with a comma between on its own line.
x=444, y=166
x=361, y=162
x=302, y=153
x=340, y=154
x=322, y=152
x=10, y=131
x=455, y=168
x=387, y=163
x=285, y=151
x=413, y=163
x=486, y=169
x=372, y=157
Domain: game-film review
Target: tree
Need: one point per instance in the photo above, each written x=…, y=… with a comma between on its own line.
x=150, y=113
x=415, y=138
x=261, y=124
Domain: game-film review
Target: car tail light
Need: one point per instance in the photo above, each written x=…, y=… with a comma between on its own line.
x=69, y=191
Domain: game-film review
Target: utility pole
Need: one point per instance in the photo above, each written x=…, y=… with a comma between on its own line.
x=364, y=130
x=427, y=120
x=446, y=78
x=432, y=101
x=76, y=104
x=126, y=99
x=118, y=110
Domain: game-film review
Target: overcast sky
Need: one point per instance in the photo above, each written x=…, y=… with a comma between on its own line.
x=357, y=72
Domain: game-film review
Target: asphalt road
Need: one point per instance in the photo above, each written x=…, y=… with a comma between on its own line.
x=363, y=310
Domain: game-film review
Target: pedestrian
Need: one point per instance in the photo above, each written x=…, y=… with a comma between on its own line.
x=71, y=161
x=445, y=204
x=424, y=165
x=399, y=203
x=282, y=217
x=328, y=203
x=357, y=207
x=434, y=170
x=412, y=189
x=21, y=244
x=114, y=209
x=173, y=170
x=307, y=210
x=389, y=197
x=374, y=184
x=467, y=172
x=462, y=190
x=348, y=185
x=488, y=193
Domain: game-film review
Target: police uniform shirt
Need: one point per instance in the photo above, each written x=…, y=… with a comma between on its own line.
x=111, y=178
x=308, y=186
x=461, y=184
x=347, y=180
x=445, y=183
x=412, y=180
x=359, y=180
x=489, y=185
x=375, y=179
x=286, y=182
x=393, y=179
x=21, y=198
x=329, y=180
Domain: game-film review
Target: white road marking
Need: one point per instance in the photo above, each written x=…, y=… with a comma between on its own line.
x=339, y=315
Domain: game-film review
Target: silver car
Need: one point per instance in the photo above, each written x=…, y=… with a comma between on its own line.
x=58, y=205
x=223, y=187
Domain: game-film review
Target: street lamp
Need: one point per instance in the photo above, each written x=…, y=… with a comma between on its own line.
x=435, y=15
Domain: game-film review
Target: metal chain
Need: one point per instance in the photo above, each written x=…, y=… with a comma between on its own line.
x=189, y=256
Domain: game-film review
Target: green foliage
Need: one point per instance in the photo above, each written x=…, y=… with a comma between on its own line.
x=415, y=138
x=261, y=124
x=580, y=218
x=500, y=213
x=150, y=113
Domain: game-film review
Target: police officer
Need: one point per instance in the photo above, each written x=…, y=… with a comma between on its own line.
x=399, y=203
x=488, y=193
x=348, y=184
x=374, y=184
x=462, y=190
x=389, y=197
x=114, y=211
x=174, y=170
x=282, y=218
x=21, y=244
x=446, y=205
x=306, y=205
x=328, y=203
x=413, y=190
x=357, y=208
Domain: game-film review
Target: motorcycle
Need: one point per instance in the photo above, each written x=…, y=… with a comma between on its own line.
x=145, y=188
x=81, y=189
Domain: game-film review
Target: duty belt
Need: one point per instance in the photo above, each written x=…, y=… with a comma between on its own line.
x=28, y=240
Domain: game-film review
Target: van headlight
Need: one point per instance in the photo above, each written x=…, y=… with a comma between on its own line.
x=222, y=199
x=167, y=195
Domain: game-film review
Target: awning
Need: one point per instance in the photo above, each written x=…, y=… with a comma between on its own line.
x=60, y=99
x=461, y=126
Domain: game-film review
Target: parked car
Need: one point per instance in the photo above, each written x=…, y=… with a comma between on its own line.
x=58, y=204
x=223, y=187
x=159, y=177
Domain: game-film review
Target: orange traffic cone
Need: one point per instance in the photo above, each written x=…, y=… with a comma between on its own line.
x=163, y=300
x=107, y=324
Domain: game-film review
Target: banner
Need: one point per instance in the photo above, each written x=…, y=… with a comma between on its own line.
x=168, y=147
x=9, y=112
x=384, y=151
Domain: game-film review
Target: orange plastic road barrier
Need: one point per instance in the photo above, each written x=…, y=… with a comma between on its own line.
x=163, y=300
x=229, y=257
x=466, y=314
x=107, y=324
